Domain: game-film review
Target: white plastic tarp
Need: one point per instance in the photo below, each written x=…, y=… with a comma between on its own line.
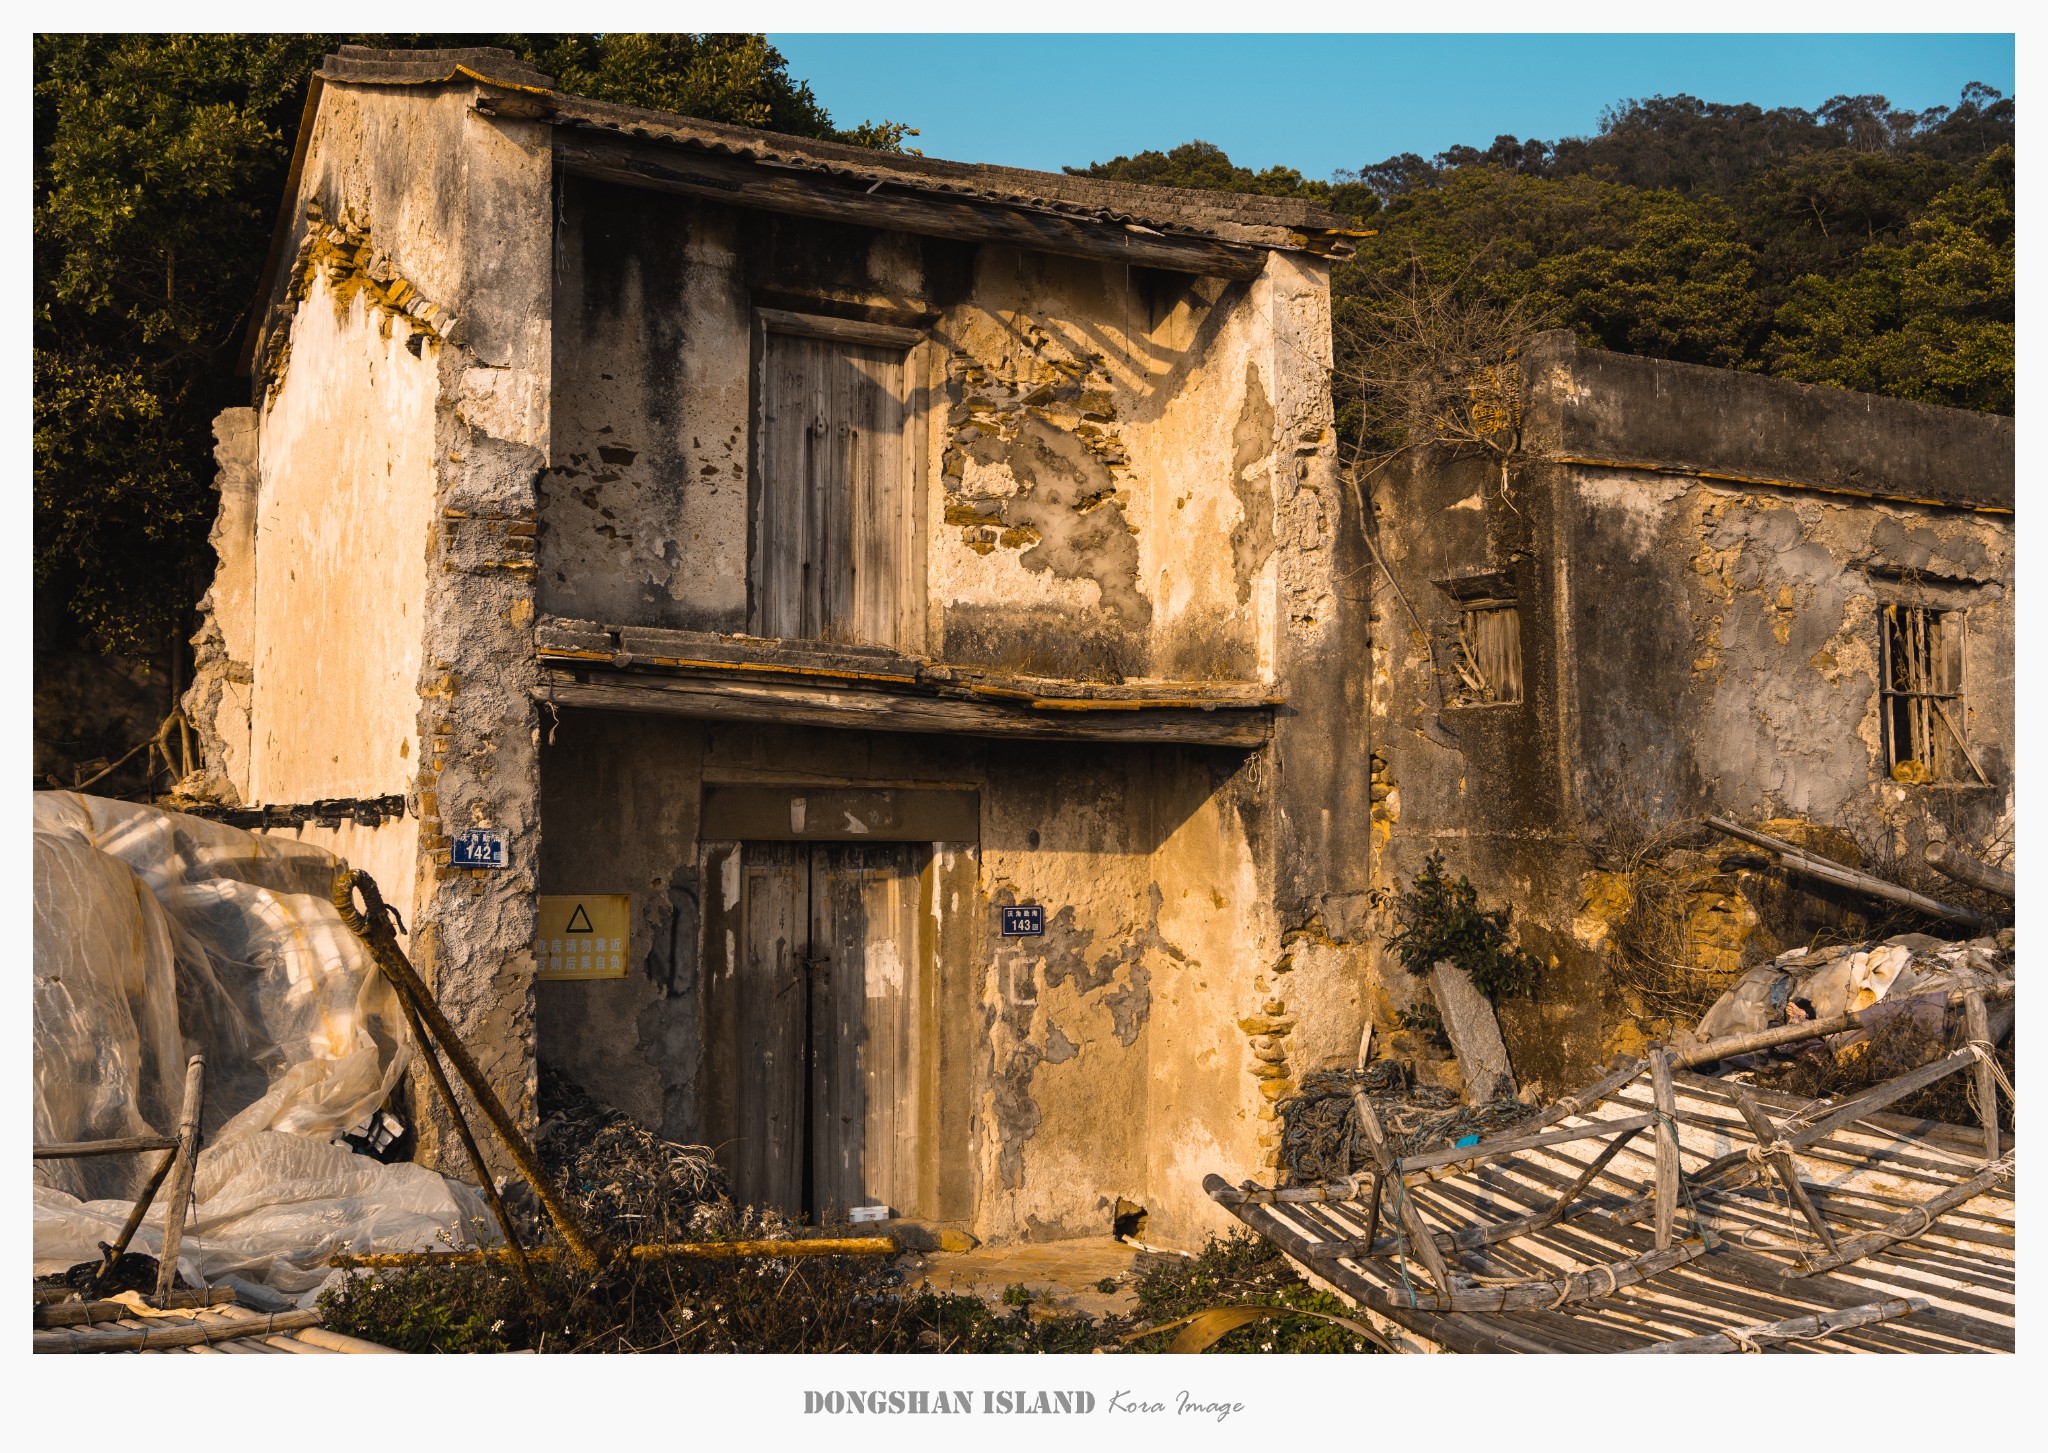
x=159, y=935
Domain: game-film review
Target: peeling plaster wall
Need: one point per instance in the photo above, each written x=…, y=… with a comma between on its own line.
x=1689, y=646
x=1099, y=1061
x=1087, y=513
x=1130, y=474
x=401, y=379
x=1778, y=599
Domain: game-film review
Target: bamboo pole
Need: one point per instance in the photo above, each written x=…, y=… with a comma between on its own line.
x=1372, y=1214
x=1546, y=1293
x=187, y=1154
x=469, y=1145
x=673, y=1251
x=1794, y=1329
x=374, y=928
x=130, y=1145
x=1966, y=870
x=1734, y=1044
x=88, y=1314
x=135, y=1215
x=1667, y=1146
x=1813, y=865
x=1978, y=1023
x=184, y=1334
x=1781, y=1163
x=1580, y=1101
x=1508, y=1145
x=326, y=1341
x=1415, y=1232
x=1917, y=1221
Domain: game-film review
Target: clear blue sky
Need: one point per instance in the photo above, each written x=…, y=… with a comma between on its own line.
x=1318, y=103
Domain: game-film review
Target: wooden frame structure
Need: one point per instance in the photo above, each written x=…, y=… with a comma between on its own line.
x=176, y=1166
x=1661, y=1210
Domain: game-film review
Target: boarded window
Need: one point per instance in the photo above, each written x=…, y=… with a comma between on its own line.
x=834, y=533
x=1922, y=696
x=1488, y=654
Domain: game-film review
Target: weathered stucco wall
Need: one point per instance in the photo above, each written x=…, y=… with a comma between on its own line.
x=1100, y=470
x=1772, y=678
x=402, y=380
x=1104, y=1060
x=1689, y=645
x=218, y=702
x=388, y=852
x=1128, y=475
x=347, y=471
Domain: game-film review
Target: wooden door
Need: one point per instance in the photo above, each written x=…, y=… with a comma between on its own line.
x=832, y=545
x=766, y=1021
x=865, y=1032
x=814, y=1026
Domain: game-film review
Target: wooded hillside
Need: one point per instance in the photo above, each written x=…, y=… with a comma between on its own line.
x=1857, y=245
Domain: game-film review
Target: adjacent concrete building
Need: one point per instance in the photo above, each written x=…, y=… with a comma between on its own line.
x=1677, y=591
x=899, y=634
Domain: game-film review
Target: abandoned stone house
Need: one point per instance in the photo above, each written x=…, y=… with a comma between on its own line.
x=1685, y=591
x=870, y=663
x=823, y=550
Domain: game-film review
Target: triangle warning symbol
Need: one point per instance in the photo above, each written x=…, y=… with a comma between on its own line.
x=579, y=922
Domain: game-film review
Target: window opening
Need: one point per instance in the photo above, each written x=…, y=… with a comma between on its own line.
x=1921, y=690
x=1488, y=654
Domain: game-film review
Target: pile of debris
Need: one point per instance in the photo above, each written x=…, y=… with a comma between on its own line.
x=625, y=1183
x=1321, y=1139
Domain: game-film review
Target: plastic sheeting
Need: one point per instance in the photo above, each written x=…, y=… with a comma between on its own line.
x=160, y=935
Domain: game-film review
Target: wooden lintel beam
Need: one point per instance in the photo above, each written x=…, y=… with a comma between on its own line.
x=888, y=711
x=745, y=184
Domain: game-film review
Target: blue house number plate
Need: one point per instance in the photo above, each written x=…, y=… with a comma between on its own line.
x=479, y=847
x=1024, y=921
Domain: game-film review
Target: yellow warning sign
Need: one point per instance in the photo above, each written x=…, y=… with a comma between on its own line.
x=583, y=936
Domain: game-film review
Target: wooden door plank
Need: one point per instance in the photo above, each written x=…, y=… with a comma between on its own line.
x=781, y=546
x=770, y=1026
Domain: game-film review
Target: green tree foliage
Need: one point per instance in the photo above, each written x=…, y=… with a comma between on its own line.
x=1857, y=244
x=159, y=160
x=1204, y=165
x=1928, y=316
x=1637, y=271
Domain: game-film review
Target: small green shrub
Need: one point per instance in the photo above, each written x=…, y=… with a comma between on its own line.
x=1242, y=1270
x=1438, y=918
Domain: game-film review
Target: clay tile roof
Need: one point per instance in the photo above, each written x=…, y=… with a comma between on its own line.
x=1229, y=216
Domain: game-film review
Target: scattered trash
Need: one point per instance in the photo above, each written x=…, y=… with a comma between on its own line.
x=1320, y=1139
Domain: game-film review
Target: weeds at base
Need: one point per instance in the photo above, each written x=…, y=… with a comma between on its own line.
x=821, y=1304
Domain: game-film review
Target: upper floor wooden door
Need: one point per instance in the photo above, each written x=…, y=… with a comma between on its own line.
x=835, y=541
